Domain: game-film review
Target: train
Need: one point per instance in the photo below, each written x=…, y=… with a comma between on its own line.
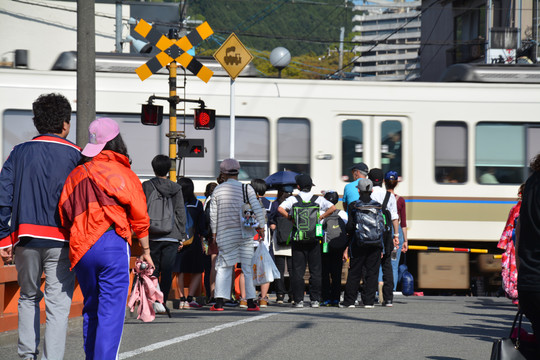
x=461, y=148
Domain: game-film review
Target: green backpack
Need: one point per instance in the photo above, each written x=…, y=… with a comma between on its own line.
x=305, y=217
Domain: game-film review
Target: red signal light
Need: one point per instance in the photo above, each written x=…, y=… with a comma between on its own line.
x=151, y=114
x=205, y=119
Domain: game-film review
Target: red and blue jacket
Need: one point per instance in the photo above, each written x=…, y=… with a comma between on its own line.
x=31, y=182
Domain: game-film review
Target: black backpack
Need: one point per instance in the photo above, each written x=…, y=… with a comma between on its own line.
x=161, y=212
x=283, y=230
x=334, y=231
x=369, y=223
x=305, y=219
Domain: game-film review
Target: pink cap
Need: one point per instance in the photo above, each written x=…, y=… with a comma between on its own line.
x=100, y=132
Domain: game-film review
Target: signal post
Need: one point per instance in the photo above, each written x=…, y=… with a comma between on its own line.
x=173, y=135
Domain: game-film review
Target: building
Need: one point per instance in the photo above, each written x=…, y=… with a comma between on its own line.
x=388, y=40
x=476, y=31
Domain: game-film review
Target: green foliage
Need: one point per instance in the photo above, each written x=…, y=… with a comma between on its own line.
x=310, y=30
x=300, y=26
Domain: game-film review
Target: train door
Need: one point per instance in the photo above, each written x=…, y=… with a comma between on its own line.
x=378, y=141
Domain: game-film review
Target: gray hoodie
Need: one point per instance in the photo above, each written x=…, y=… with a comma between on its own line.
x=169, y=188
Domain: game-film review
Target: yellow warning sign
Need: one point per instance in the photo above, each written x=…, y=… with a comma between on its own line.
x=233, y=56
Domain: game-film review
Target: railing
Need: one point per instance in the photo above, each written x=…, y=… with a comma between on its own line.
x=9, y=297
x=9, y=293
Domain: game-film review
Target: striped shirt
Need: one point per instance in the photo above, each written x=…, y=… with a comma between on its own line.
x=225, y=215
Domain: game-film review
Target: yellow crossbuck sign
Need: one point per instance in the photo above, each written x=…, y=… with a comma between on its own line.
x=172, y=50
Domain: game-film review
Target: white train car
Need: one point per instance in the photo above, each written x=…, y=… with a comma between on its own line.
x=461, y=149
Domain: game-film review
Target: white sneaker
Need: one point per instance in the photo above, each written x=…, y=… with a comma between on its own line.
x=369, y=306
x=315, y=304
x=299, y=304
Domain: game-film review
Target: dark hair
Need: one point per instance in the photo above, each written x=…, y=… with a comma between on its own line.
x=50, y=113
x=117, y=145
x=535, y=163
x=221, y=178
x=259, y=185
x=332, y=196
x=210, y=189
x=390, y=184
x=187, y=189
x=161, y=165
x=282, y=196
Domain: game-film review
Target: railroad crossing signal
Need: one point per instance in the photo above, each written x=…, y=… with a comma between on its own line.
x=190, y=148
x=233, y=56
x=205, y=119
x=172, y=50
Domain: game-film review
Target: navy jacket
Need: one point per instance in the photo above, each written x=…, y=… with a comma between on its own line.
x=31, y=181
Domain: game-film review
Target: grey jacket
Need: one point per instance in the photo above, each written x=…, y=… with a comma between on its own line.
x=169, y=188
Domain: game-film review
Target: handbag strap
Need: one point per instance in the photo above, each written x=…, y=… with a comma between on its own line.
x=244, y=193
x=519, y=316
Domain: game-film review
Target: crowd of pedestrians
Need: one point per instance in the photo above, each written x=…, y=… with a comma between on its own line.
x=71, y=213
x=82, y=208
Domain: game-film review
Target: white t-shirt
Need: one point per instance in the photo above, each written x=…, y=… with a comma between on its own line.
x=306, y=196
x=378, y=195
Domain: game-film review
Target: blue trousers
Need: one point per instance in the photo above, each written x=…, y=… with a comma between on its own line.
x=103, y=275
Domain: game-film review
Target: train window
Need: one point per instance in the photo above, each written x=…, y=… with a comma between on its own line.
x=293, y=144
x=391, y=145
x=352, y=149
x=18, y=127
x=450, y=152
x=252, y=145
x=533, y=145
x=499, y=157
x=141, y=141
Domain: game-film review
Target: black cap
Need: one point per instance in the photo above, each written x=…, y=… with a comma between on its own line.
x=376, y=176
x=363, y=168
x=304, y=180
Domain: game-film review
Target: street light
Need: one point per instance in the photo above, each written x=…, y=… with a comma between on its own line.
x=139, y=45
x=280, y=58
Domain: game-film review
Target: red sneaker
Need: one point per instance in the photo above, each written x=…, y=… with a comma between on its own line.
x=214, y=308
x=255, y=308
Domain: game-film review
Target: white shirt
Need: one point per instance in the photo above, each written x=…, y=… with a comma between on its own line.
x=306, y=196
x=378, y=195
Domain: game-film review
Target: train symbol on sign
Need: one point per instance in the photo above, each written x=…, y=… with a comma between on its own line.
x=231, y=58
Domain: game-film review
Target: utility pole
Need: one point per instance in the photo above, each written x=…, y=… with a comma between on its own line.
x=535, y=31
x=118, y=27
x=341, y=38
x=86, y=69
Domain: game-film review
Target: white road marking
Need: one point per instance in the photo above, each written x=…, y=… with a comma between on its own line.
x=161, y=344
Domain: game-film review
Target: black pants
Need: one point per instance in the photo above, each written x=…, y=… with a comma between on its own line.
x=528, y=303
x=280, y=283
x=207, y=271
x=309, y=254
x=332, y=264
x=365, y=260
x=163, y=255
x=387, y=271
